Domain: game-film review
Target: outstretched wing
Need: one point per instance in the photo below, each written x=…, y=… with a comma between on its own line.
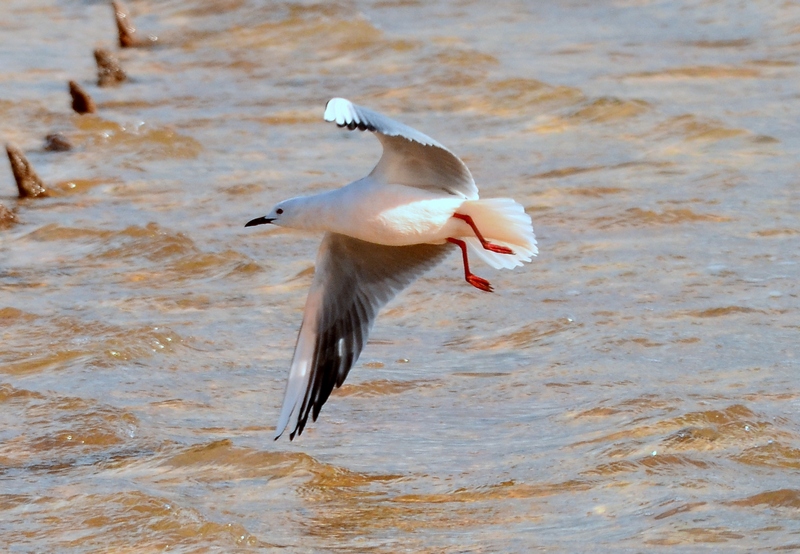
x=409, y=157
x=353, y=279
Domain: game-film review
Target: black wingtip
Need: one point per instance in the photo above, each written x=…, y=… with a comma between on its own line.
x=258, y=221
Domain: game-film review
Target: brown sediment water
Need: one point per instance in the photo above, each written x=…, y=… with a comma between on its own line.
x=634, y=388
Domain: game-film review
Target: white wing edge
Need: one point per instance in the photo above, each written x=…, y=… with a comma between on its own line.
x=341, y=112
x=300, y=372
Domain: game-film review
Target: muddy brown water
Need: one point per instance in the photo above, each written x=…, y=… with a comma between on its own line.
x=635, y=388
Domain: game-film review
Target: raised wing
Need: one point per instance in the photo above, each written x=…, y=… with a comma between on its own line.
x=409, y=157
x=352, y=281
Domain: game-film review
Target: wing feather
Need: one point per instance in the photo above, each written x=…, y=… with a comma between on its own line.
x=409, y=157
x=353, y=280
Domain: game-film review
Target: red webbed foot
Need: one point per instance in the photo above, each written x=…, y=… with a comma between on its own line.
x=479, y=283
x=491, y=247
x=497, y=248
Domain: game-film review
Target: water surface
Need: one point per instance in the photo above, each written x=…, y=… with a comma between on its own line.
x=634, y=388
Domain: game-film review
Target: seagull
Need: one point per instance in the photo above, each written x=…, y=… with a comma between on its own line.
x=381, y=232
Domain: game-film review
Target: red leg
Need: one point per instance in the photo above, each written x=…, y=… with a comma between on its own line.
x=485, y=243
x=474, y=280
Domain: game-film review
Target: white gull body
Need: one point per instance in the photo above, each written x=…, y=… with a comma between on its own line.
x=381, y=233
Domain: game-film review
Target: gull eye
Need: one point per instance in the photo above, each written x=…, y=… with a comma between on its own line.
x=279, y=211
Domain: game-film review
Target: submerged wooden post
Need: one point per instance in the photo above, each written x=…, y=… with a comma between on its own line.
x=125, y=27
x=28, y=182
x=7, y=217
x=81, y=101
x=57, y=142
x=109, y=72
x=127, y=30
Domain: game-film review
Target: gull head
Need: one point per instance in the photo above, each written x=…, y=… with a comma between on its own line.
x=288, y=213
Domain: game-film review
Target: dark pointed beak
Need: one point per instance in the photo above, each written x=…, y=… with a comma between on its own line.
x=258, y=221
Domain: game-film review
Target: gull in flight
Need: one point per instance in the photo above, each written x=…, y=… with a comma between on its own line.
x=381, y=233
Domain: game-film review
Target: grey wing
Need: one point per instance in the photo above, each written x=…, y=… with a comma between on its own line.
x=353, y=279
x=409, y=157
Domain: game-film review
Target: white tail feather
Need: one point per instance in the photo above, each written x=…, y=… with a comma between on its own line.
x=504, y=222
